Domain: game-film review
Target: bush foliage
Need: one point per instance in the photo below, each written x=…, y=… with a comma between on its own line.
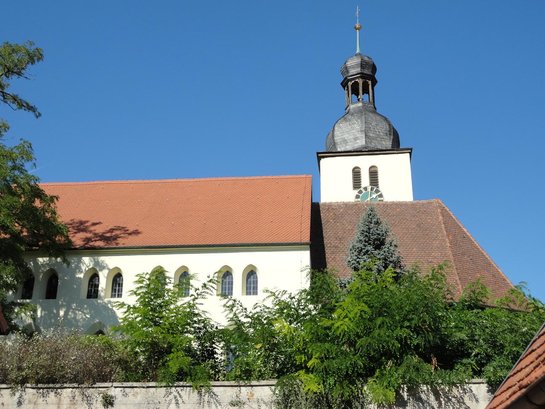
x=60, y=357
x=381, y=332
x=329, y=345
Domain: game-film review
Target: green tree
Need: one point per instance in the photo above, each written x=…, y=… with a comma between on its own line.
x=168, y=335
x=372, y=244
x=28, y=218
x=487, y=341
x=384, y=332
x=343, y=347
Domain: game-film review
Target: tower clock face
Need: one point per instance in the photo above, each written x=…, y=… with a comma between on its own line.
x=369, y=194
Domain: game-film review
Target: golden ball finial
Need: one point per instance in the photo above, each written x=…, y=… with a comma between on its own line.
x=357, y=27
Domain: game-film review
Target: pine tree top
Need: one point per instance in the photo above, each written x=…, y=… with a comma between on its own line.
x=372, y=243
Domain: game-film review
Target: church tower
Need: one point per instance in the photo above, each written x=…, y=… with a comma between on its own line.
x=363, y=160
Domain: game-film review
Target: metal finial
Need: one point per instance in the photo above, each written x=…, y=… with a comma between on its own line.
x=357, y=27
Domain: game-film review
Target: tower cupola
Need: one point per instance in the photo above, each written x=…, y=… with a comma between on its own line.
x=363, y=160
x=361, y=128
x=359, y=78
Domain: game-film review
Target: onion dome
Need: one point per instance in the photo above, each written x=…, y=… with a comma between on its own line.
x=361, y=128
x=359, y=64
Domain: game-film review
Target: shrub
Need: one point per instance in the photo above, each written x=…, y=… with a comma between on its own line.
x=60, y=357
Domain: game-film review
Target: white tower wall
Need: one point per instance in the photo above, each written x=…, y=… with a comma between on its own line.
x=394, y=172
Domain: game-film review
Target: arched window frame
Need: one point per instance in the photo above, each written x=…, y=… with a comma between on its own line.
x=85, y=281
x=356, y=178
x=225, y=282
x=252, y=283
x=160, y=272
x=184, y=281
x=52, y=286
x=117, y=285
x=178, y=280
x=253, y=287
x=93, y=286
x=109, y=280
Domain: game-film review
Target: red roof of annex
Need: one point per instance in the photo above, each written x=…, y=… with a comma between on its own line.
x=524, y=387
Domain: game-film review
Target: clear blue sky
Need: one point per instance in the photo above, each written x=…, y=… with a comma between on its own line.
x=181, y=89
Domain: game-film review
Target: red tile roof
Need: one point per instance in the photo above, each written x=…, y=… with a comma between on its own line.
x=187, y=212
x=427, y=234
x=524, y=387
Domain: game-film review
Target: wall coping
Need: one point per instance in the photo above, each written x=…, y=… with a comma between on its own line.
x=225, y=384
x=130, y=385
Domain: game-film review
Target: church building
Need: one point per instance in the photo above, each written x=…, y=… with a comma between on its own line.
x=250, y=233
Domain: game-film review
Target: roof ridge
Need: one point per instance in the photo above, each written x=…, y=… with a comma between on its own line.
x=474, y=241
x=386, y=203
x=181, y=180
x=438, y=203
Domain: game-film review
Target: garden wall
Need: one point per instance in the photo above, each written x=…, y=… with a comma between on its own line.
x=473, y=395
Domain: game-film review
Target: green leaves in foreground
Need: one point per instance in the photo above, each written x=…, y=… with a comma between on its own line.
x=28, y=218
x=14, y=62
x=329, y=346
x=342, y=347
x=383, y=332
x=168, y=335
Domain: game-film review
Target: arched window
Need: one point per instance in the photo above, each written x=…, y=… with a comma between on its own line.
x=117, y=286
x=227, y=284
x=251, y=283
x=373, y=176
x=159, y=273
x=185, y=283
x=92, y=286
x=356, y=178
x=28, y=288
x=52, y=286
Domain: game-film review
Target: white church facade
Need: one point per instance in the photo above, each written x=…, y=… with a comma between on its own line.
x=253, y=234
x=250, y=234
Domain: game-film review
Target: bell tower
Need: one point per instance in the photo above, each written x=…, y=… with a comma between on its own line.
x=363, y=159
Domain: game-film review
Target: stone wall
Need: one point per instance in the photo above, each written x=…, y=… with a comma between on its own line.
x=228, y=395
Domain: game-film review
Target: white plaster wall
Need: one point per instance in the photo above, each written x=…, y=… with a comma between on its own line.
x=277, y=267
x=394, y=170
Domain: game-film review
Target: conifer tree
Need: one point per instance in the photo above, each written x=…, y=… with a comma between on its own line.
x=372, y=244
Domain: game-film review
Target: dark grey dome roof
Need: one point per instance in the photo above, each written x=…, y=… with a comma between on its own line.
x=357, y=65
x=362, y=128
